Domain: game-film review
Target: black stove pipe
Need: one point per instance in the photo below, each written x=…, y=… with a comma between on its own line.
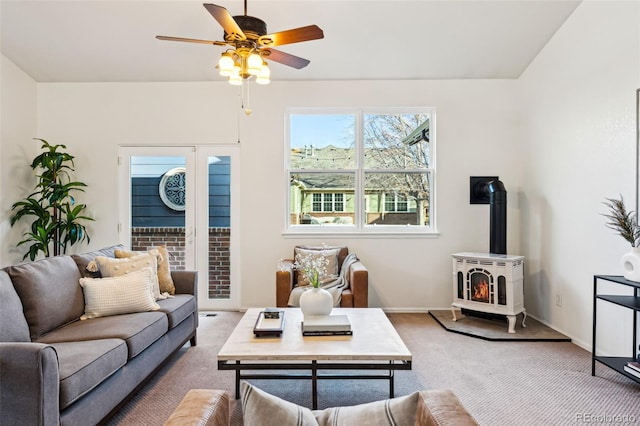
x=497, y=217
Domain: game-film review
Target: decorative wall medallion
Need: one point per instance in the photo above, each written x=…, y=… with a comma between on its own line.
x=173, y=188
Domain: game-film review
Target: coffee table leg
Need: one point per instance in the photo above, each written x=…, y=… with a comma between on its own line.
x=314, y=384
x=391, y=377
x=238, y=380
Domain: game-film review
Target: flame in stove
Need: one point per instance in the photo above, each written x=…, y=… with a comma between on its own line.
x=481, y=291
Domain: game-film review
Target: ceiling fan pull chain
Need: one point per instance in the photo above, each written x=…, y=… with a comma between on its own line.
x=246, y=94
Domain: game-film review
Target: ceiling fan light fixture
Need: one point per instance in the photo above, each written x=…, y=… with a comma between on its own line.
x=263, y=76
x=235, y=80
x=254, y=63
x=226, y=64
x=248, y=43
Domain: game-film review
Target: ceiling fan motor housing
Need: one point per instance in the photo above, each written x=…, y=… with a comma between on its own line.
x=251, y=26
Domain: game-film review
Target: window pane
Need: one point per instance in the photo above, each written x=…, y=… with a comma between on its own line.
x=397, y=198
x=339, y=202
x=396, y=141
x=322, y=198
x=322, y=141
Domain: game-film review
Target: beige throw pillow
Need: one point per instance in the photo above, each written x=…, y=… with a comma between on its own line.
x=118, y=295
x=110, y=267
x=164, y=272
x=262, y=409
x=330, y=254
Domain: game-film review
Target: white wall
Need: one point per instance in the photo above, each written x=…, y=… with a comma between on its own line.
x=578, y=109
x=18, y=127
x=476, y=135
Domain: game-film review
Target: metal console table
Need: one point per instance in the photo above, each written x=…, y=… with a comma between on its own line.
x=630, y=302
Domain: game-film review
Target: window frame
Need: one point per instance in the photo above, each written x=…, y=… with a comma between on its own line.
x=360, y=227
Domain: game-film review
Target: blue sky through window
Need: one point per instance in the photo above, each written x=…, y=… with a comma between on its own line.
x=321, y=130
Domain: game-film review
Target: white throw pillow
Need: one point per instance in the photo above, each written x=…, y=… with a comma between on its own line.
x=118, y=295
x=111, y=267
x=262, y=409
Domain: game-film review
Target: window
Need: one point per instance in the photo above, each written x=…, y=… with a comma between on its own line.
x=327, y=202
x=360, y=170
x=395, y=203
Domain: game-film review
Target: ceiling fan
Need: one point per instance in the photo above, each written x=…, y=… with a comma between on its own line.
x=250, y=45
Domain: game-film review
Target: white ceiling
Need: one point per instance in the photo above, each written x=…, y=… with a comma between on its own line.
x=114, y=40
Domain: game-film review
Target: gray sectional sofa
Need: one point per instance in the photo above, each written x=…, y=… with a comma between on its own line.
x=58, y=369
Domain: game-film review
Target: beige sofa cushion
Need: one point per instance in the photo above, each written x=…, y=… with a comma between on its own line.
x=331, y=255
x=111, y=267
x=165, y=281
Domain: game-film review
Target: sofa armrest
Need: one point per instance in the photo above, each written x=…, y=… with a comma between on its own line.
x=186, y=282
x=284, y=282
x=442, y=407
x=29, y=389
x=359, y=284
x=200, y=407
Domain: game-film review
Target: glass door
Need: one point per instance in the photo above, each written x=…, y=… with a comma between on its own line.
x=180, y=197
x=217, y=245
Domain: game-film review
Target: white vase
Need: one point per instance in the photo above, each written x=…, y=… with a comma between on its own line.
x=631, y=264
x=316, y=301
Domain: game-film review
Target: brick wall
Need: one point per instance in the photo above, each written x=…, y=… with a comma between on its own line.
x=219, y=283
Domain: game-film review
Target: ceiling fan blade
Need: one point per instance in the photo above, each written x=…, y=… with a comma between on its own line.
x=296, y=35
x=191, y=40
x=225, y=19
x=286, y=58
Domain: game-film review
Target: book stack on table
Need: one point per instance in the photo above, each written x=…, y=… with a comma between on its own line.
x=326, y=325
x=633, y=368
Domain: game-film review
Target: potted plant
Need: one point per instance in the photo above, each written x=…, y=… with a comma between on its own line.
x=625, y=222
x=316, y=300
x=56, y=216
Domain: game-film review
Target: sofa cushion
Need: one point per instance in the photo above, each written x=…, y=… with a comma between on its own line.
x=342, y=253
x=84, y=365
x=262, y=409
x=331, y=256
x=138, y=330
x=118, y=295
x=164, y=273
x=82, y=260
x=13, y=325
x=50, y=293
x=393, y=412
x=112, y=267
x=178, y=308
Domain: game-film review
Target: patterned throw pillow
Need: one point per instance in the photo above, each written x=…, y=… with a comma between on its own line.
x=164, y=273
x=118, y=295
x=330, y=254
x=111, y=267
x=262, y=409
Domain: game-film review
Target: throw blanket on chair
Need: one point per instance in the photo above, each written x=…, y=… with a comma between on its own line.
x=334, y=284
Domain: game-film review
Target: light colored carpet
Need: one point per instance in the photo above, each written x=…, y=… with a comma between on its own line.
x=500, y=383
x=491, y=329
